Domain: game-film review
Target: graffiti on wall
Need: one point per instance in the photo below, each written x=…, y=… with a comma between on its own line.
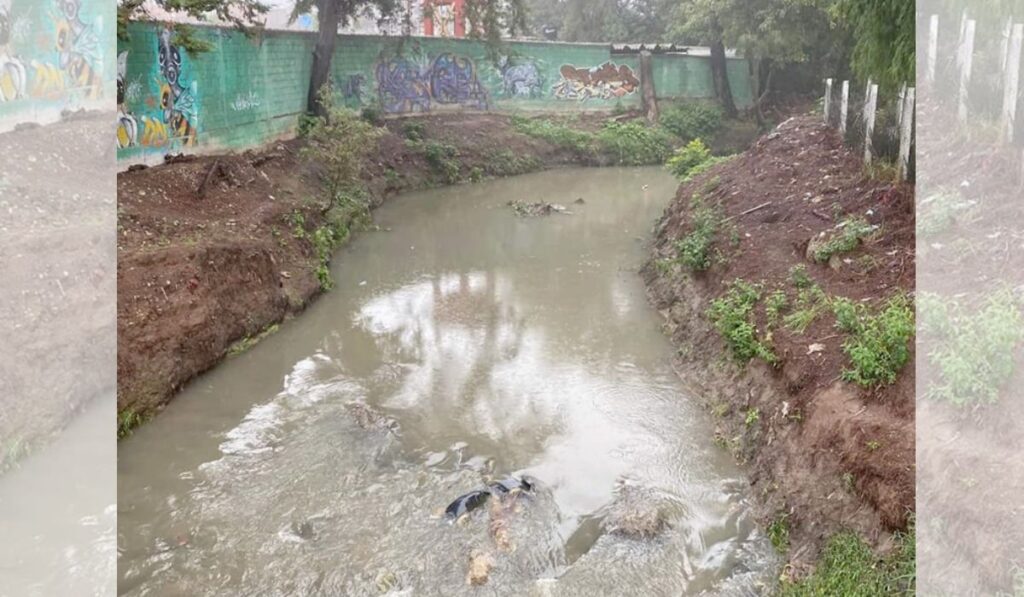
x=78, y=48
x=607, y=81
x=351, y=88
x=127, y=124
x=177, y=101
x=405, y=86
x=519, y=80
x=13, y=74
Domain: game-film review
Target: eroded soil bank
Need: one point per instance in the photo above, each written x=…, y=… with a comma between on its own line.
x=215, y=250
x=825, y=455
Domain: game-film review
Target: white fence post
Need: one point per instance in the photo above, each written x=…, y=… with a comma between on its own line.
x=1012, y=74
x=933, y=47
x=844, y=106
x=906, y=133
x=899, y=104
x=967, y=56
x=869, y=120
x=828, y=99
x=1004, y=43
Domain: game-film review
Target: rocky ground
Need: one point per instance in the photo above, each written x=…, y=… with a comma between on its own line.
x=824, y=454
x=56, y=264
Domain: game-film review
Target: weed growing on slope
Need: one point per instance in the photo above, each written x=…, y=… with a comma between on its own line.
x=778, y=533
x=732, y=314
x=811, y=302
x=974, y=348
x=851, y=231
x=442, y=158
x=694, y=249
x=559, y=135
x=878, y=346
x=799, y=277
x=848, y=567
x=937, y=213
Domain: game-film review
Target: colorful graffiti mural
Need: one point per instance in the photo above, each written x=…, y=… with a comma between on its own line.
x=351, y=89
x=78, y=48
x=607, y=81
x=519, y=80
x=127, y=124
x=177, y=101
x=405, y=86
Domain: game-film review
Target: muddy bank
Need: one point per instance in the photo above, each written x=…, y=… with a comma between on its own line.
x=215, y=250
x=824, y=454
x=56, y=265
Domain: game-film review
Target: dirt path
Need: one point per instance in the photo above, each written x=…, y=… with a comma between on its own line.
x=825, y=454
x=56, y=263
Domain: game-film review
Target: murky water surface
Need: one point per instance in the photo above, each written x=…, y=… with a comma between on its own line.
x=499, y=345
x=58, y=515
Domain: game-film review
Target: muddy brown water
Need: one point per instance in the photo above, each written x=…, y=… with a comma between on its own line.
x=58, y=515
x=498, y=345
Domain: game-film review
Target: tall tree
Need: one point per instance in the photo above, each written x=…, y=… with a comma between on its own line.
x=884, y=30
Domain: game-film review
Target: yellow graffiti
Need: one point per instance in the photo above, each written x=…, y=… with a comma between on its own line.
x=154, y=133
x=47, y=81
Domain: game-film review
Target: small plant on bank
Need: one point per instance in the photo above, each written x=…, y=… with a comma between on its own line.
x=879, y=344
x=811, y=302
x=732, y=314
x=694, y=249
x=693, y=120
x=752, y=417
x=413, y=130
x=580, y=142
x=851, y=232
x=799, y=277
x=340, y=142
x=974, y=348
x=778, y=532
x=774, y=305
x=443, y=158
x=937, y=213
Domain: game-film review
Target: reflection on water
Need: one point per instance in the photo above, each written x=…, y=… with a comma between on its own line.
x=498, y=345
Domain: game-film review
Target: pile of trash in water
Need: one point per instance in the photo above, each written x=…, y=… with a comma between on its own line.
x=525, y=209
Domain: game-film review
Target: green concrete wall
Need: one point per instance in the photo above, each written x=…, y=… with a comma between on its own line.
x=248, y=91
x=54, y=56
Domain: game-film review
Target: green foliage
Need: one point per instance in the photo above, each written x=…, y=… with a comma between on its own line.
x=752, y=417
x=810, y=303
x=799, y=277
x=694, y=120
x=509, y=163
x=339, y=142
x=848, y=567
x=634, y=143
x=559, y=135
x=849, y=314
x=974, y=348
x=878, y=345
x=694, y=249
x=937, y=213
x=774, y=305
x=688, y=157
x=443, y=158
x=732, y=314
x=127, y=421
x=413, y=130
x=884, y=49
x=373, y=115
x=850, y=233
x=778, y=533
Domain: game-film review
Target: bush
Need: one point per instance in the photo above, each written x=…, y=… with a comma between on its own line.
x=975, y=349
x=558, y=135
x=732, y=315
x=878, y=348
x=697, y=120
x=414, y=131
x=694, y=249
x=340, y=141
x=634, y=144
x=688, y=157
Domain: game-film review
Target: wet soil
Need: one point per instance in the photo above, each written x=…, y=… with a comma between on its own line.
x=825, y=455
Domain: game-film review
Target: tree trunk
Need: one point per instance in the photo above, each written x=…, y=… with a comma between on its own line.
x=720, y=78
x=329, y=12
x=648, y=94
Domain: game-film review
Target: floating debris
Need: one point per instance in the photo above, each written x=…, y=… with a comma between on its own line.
x=526, y=209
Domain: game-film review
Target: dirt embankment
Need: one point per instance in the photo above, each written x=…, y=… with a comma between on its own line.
x=823, y=454
x=213, y=250
x=56, y=266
